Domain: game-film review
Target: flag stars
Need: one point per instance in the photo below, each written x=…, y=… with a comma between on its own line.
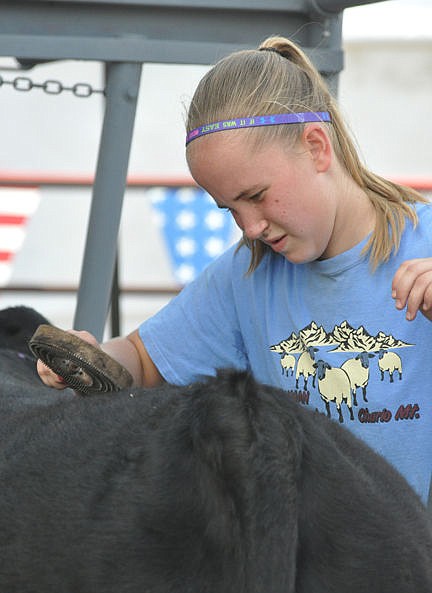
x=186, y=195
x=195, y=230
x=157, y=194
x=214, y=220
x=185, y=273
x=186, y=220
x=214, y=246
x=186, y=246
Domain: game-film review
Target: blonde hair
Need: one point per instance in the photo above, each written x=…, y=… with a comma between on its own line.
x=282, y=79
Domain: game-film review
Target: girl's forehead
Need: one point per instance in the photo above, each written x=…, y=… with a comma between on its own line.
x=223, y=152
x=232, y=146
x=227, y=167
x=224, y=140
x=219, y=166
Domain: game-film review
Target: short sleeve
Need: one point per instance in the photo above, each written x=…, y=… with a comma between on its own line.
x=198, y=332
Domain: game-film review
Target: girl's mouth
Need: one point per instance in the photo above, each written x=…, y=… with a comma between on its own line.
x=277, y=244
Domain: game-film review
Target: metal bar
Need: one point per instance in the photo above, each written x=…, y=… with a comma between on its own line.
x=123, y=80
x=40, y=47
x=333, y=6
x=195, y=4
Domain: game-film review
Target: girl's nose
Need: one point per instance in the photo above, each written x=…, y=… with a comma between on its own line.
x=254, y=229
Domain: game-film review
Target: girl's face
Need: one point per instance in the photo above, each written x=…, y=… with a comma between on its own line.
x=282, y=197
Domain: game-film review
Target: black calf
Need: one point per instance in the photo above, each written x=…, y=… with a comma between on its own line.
x=225, y=486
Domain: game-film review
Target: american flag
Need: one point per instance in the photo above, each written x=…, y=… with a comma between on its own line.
x=16, y=207
x=196, y=231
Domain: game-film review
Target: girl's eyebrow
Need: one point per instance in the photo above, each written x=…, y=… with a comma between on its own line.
x=248, y=192
x=243, y=194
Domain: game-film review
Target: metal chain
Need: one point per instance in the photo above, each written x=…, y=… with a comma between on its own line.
x=51, y=87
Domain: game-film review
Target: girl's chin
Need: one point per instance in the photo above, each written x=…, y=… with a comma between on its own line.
x=300, y=257
x=294, y=251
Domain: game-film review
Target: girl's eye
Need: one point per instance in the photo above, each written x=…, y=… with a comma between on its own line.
x=256, y=197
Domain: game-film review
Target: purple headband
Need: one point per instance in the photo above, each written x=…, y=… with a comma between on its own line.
x=258, y=120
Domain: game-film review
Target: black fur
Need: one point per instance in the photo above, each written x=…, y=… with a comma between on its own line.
x=224, y=486
x=17, y=325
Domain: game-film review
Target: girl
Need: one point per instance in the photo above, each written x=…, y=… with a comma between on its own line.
x=305, y=300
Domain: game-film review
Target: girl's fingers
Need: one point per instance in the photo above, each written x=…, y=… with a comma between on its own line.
x=412, y=287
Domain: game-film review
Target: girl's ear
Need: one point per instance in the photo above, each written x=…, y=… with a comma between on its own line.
x=317, y=143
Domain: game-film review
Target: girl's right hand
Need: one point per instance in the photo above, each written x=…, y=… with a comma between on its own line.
x=49, y=377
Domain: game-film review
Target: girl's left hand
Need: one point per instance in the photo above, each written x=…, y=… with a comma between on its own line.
x=412, y=287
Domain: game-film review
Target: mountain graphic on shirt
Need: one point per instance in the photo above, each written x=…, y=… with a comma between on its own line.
x=344, y=337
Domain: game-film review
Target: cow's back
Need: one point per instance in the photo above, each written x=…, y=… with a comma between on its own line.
x=224, y=486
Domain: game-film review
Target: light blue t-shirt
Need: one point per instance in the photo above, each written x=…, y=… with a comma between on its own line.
x=328, y=330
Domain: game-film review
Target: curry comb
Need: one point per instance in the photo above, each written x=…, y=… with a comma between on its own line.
x=83, y=367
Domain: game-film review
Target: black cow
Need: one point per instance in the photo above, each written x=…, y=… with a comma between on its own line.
x=223, y=486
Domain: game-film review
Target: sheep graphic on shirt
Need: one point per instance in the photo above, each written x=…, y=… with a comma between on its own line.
x=357, y=370
x=306, y=367
x=334, y=385
x=390, y=362
x=287, y=362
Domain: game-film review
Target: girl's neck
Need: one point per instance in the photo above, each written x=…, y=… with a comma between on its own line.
x=355, y=218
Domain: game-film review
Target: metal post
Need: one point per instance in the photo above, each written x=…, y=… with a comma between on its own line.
x=123, y=80
x=115, y=300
